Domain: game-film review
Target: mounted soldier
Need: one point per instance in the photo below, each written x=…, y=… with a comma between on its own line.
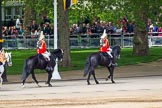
x=105, y=47
x=41, y=49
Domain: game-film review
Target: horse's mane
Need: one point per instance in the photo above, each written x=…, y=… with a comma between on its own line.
x=116, y=48
x=56, y=51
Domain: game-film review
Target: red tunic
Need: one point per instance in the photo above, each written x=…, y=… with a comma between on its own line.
x=42, y=49
x=106, y=47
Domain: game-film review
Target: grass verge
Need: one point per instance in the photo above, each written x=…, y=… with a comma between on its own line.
x=78, y=58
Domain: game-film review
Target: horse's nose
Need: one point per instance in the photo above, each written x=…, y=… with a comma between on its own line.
x=119, y=57
x=60, y=60
x=10, y=64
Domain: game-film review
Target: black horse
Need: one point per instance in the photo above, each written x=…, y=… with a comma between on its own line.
x=39, y=62
x=101, y=59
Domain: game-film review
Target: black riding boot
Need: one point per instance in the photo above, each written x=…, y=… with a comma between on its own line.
x=113, y=62
x=48, y=67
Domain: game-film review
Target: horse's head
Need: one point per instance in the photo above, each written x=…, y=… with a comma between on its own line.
x=59, y=53
x=8, y=58
x=116, y=50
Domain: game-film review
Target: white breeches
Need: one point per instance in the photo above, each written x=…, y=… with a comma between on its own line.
x=109, y=52
x=46, y=55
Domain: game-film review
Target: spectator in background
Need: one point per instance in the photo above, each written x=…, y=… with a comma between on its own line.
x=46, y=29
x=155, y=28
x=51, y=32
x=99, y=28
x=124, y=24
x=88, y=29
x=118, y=29
x=21, y=31
x=13, y=32
x=109, y=28
x=33, y=33
x=130, y=27
x=4, y=31
x=74, y=29
x=33, y=26
x=18, y=23
x=93, y=27
x=160, y=31
x=84, y=29
x=151, y=28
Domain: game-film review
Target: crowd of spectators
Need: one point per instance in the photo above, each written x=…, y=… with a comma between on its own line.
x=121, y=26
x=15, y=28
x=84, y=26
x=154, y=29
x=98, y=26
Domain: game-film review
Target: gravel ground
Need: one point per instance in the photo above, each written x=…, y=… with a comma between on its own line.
x=137, y=86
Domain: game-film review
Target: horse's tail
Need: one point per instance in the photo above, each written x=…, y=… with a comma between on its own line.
x=24, y=74
x=87, y=66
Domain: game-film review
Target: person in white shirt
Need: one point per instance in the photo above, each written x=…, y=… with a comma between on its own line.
x=18, y=23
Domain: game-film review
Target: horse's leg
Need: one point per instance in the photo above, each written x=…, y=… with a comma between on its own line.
x=94, y=76
x=24, y=79
x=109, y=74
x=89, y=75
x=34, y=78
x=49, y=79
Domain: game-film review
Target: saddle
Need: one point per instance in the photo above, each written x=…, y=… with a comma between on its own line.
x=40, y=56
x=105, y=54
x=48, y=63
x=109, y=57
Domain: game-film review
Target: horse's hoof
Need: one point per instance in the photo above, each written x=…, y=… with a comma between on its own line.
x=50, y=85
x=97, y=82
x=23, y=86
x=38, y=85
x=107, y=79
x=113, y=82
